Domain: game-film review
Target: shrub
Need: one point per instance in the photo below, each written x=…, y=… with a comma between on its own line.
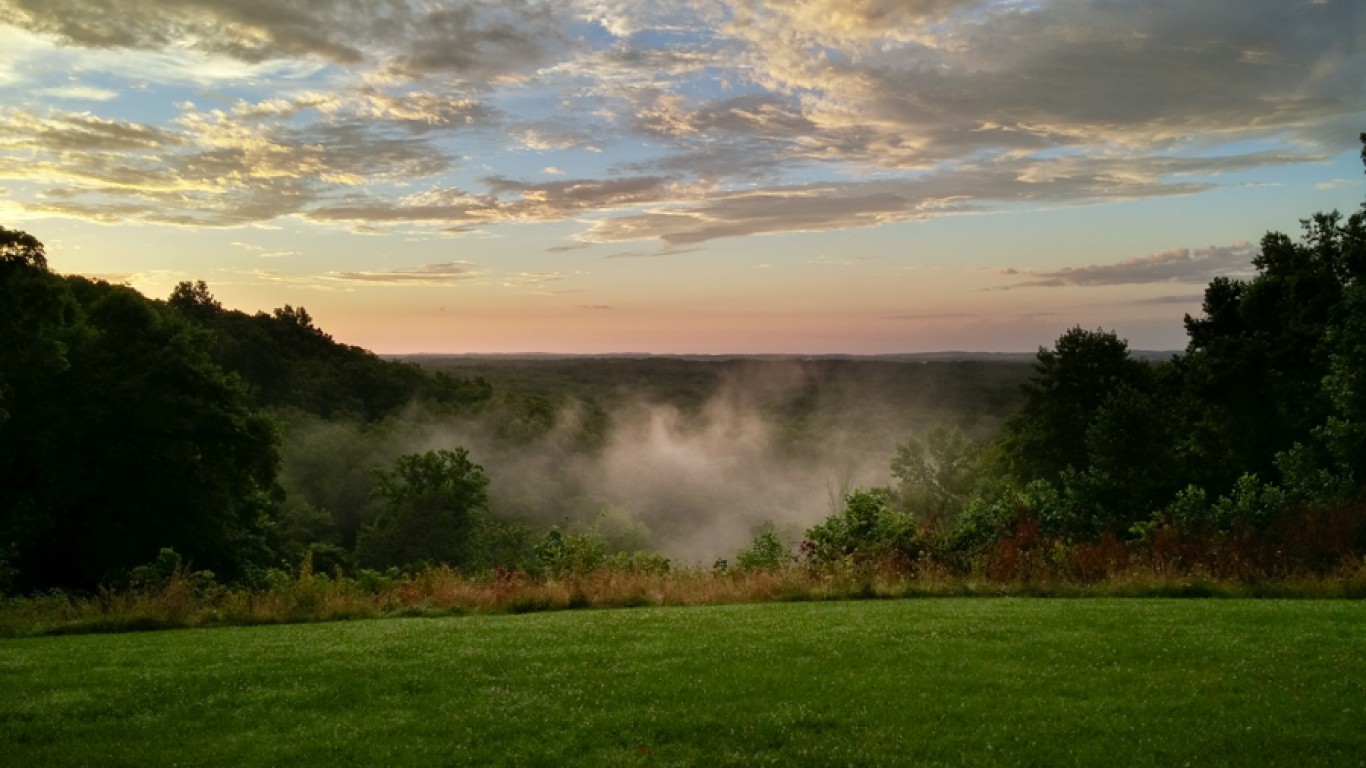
x=765, y=552
x=868, y=530
x=561, y=554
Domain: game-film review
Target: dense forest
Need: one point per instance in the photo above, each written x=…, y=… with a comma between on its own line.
x=134, y=429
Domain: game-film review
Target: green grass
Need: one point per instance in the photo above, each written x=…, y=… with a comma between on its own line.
x=909, y=682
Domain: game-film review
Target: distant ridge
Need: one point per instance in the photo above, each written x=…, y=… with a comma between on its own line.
x=952, y=356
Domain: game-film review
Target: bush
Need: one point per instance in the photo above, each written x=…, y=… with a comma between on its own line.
x=562, y=554
x=765, y=552
x=868, y=531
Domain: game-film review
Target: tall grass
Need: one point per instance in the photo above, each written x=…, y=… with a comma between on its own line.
x=187, y=599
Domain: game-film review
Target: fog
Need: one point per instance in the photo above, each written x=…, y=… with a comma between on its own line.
x=770, y=443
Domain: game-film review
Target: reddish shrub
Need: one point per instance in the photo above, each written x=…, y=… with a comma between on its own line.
x=1099, y=560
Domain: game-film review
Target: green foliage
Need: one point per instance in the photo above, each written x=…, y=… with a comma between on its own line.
x=122, y=437
x=1269, y=387
x=1071, y=383
x=289, y=362
x=1134, y=467
x=500, y=545
x=765, y=552
x=1191, y=511
x=1250, y=505
x=868, y=530
x=1268, y=359
x=1314, y=474
x=560, y=554
x=428, y=504
x=40, y=323
x=165, y=570
x=638, y=562
x=1343, y=433
x=938, y=475
x=8, y=573
x=194, y=300
x=299, y=527
x=989, y=518
x=372, y=581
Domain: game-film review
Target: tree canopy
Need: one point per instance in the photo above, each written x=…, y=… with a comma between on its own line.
x=122, y=437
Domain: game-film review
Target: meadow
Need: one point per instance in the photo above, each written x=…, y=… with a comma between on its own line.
x=945, y=681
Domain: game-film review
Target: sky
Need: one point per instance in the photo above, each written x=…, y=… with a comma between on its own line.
x=695, y=176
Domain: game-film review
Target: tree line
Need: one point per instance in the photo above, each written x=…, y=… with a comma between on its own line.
x=1245, y=454
x=130, y=426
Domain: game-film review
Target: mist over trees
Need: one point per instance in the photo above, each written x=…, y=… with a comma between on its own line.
x=249, y=443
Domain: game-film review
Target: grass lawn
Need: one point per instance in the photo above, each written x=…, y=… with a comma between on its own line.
x=911, y=682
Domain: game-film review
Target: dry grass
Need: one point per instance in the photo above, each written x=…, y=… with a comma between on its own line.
x=309, y=597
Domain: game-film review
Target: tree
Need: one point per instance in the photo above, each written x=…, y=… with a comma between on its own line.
x=128, y=441
x=1070, y=384
x=428, y=506
x=1134, y=468
x=937, y=474
x=194, y=301
x=40, y=319
x=288, y=362
x=22, y=248
x=1259, y=354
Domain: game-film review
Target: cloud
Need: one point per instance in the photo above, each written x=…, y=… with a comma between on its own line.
x=205, y=169
x=471, y=38
x=935, y=316
x=80, y=93
x=111, y=277
x=581, y=194
x=909, y=91
x=730, y=118
x=60, y=132
x=420, y=110
x=532, y=279
x=261, y=251
x=1179, y=265
x=312, y=282
x=245, y=29
x=825, y=207
x=549, y=140
x=481, y=40
x=508, y=200
x=445, y=274
x=844, y=261
x=1188, y=298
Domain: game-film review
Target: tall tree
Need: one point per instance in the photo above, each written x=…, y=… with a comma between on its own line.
x=428, y=506
x=1070, y=384
x=123, y=437
x=1258, y=355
